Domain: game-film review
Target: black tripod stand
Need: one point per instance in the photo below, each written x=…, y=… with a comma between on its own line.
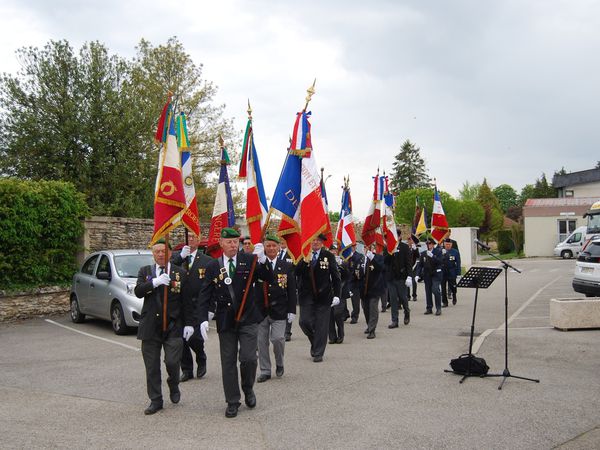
x=505, y=373
x=468, y=365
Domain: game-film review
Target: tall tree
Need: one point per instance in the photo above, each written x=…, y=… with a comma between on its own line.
x=507, y=196
x=493, y=219
x=89, y=117
x=409, y=170
x=469, y=191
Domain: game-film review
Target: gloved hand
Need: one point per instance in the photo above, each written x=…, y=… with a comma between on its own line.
x=370, y=255
x=443, y=251
x=163, y=279
x=187, y=332
x=291, y=317
x=429, y=253
x=396, y=250
x=211, y=316
x=458, y=277
x=335, y=301
x=417, y=278
x=259, y=251
x=185, y=251
x=408, y=282
x=338, y=259
x=204, y=330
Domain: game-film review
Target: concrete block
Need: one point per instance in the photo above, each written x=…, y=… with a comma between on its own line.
x=575, y=313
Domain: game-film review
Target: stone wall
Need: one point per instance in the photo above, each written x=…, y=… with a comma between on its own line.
x=34, y=303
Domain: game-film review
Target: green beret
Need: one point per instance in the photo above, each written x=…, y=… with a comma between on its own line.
x=162, y=241
x=229, y=233
x=272, y=237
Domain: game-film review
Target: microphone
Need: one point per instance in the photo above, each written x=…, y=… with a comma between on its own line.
x=482, y=245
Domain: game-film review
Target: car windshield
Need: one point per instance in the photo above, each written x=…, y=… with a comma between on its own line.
x=128, y=266
x=593, y=249
x=593, y=225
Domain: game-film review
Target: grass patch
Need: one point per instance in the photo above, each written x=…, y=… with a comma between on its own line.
x=511, y=255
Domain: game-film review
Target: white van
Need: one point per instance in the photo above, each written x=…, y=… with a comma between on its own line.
x=571, y=246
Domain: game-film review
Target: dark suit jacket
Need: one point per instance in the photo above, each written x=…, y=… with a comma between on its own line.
x=179, y=306
x=399, y=264
x=430, y=267
x=217, y=297
x=196, y=278
x=279, y=297
x=371, y=280
x=346, y=278
x=321, y=282
x=355, y=263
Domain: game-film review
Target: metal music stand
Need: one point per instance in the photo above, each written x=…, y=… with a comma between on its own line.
x=476, y=277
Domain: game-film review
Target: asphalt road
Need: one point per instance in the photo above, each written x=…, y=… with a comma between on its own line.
x=61, y=388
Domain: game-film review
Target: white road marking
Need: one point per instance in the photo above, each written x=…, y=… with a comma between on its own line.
x=532, y=317
x=110, y=341
x=479, y=341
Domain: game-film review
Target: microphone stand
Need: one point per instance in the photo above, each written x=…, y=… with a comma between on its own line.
x=505, y=373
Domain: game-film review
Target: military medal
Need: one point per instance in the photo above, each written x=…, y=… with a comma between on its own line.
x=227, y=281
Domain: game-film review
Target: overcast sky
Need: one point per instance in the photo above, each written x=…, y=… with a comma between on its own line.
x=499, y=89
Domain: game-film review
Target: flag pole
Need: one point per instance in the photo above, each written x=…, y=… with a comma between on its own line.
x=166, y=289
x=310, y=92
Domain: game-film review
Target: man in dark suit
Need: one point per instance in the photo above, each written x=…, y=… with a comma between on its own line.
x=194, y=262
x=320, y=289
x=399, y=268
x=229, y=293
x=355, y=262
x=429, y=269
x=371, y=288
x=161, y=284
x=451, y=265
x=284, y=256
x=278, y=300
x=339, y=313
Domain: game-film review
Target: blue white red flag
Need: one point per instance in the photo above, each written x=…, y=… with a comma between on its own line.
x=439, y=224
x=371, y=231
x=389, y=224
x=327, y=231
x=345, y=234
x=256, y=200
x=223, y=214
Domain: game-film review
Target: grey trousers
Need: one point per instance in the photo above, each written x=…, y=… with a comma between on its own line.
x=371, y=310
x=273, y=330
x=242, y=342
x=151, y=349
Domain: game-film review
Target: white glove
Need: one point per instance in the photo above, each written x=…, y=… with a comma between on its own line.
x=417, y=278
x=163, y=279
x=185, y=251
x=458, y=277
x=187, y=332
x=443, y=251
x=335, y=301
x=429, y=253
x=338, y=259
x=370, y=255
x=259, y=251
x=204, y=330
x=211, y=316
x=408, y=282
x=291, y=317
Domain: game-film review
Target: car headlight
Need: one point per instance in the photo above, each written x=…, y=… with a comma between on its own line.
x=130, y=288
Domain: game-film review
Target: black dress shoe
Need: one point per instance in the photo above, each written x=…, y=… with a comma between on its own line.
x=154, y=407
x=393, y=325
x=279, y=371
x=332, y=341
x=414, y=299
x=232, y=409
x=445, y=305
x=250, y=399
x=318, y=359
x=438, y=312
x=175, y=396
x=428, y=311
x=353, y=320
x=262, y=378
x=201, y=371
x=185, y=376
x=288, y=338
x=366, y=331
x=406, y=319
x=339, y=340
x=371, y=335
x=454, y=301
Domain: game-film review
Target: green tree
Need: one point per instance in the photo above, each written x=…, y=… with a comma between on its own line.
x=89, y=118
x=506, y=195
x=469, y=191
x=528, y=191
x=493, y=217
x=409, y=170
x=543, y=189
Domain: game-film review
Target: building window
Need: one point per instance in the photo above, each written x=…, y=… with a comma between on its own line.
x=569, y=193
x=565, y=228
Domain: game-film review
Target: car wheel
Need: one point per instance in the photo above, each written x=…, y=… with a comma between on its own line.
x=118, y=319
x=76, y=315
x=567, y=254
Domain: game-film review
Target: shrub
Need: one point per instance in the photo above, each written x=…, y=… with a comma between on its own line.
x=40, y=229
x=504, y=240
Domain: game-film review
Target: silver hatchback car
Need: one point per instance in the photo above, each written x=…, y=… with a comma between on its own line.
x=103, y=288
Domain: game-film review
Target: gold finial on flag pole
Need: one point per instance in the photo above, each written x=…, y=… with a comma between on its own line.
x=249, y=110
x=310, y=92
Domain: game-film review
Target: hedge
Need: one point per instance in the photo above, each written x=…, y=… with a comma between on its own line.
x=504, y=240
x=40, y=229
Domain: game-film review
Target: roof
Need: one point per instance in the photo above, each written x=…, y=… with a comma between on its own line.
x=554, y=207
x=575, y=178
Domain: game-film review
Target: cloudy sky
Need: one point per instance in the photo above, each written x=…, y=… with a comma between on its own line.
x=503, y=89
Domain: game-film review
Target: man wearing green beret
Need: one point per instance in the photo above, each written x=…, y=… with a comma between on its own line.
x=278, y=300
x=229, y=294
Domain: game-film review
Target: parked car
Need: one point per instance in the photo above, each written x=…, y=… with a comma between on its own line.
x=587, y=270
x=103, y=288
x=572, y=245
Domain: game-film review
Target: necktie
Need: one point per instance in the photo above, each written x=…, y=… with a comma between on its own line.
x=314, y=259
x=231, y=268
x=161, y=270
x=190, y=260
